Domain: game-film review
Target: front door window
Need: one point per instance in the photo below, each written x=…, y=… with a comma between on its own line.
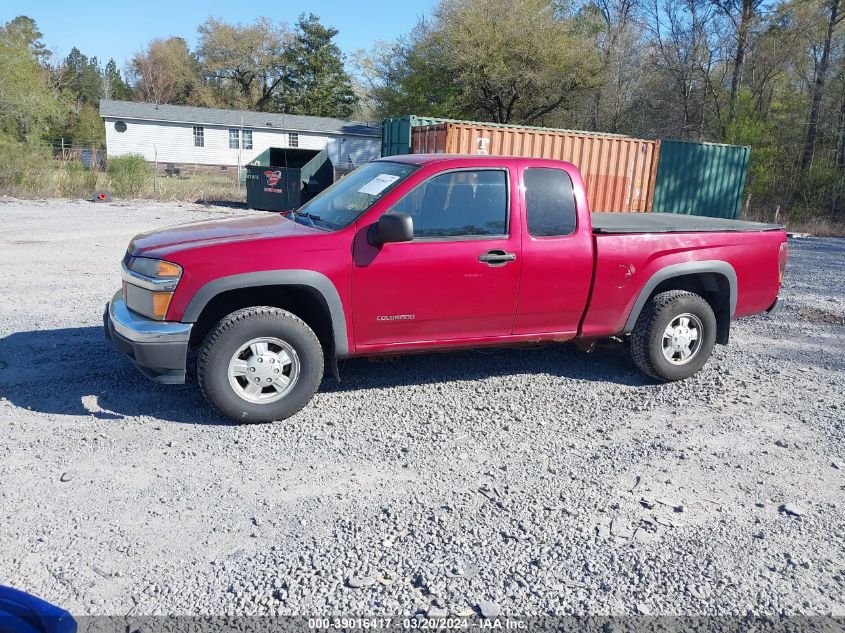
x=459, y=204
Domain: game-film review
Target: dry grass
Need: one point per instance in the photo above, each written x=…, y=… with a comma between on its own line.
x=204, y=187
x=819, y=226
x=64, y=180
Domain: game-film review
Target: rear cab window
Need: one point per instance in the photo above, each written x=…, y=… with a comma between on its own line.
x=549, y=202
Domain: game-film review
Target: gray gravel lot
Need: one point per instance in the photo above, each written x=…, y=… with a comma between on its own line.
x=543, y=481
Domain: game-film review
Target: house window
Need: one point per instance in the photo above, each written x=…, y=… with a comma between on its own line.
x=247, y=139
x=234, y=139
x=199, y=136
x=120, y=126
x=293, y=139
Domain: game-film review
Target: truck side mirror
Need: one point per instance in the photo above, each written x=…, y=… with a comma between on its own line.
x=391, y=227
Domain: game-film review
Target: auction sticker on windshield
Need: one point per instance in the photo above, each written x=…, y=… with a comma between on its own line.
x=378, y=184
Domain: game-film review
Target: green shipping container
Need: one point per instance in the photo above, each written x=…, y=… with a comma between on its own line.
x=700, y=179
x=396, y=132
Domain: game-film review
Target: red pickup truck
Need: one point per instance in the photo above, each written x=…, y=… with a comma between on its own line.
x=422, y=253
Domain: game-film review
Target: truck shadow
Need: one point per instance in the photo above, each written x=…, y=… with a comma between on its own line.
x=75, y=371
x=610, y=363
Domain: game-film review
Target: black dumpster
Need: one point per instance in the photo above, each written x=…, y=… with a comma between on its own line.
x=292, y=177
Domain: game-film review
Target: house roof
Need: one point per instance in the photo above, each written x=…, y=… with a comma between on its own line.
x=235, y=118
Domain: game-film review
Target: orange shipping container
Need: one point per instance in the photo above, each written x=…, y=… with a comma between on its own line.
x=618, y=171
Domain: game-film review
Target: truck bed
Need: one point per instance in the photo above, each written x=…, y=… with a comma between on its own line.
x=672, y=223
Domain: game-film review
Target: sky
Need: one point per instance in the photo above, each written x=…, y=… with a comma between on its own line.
x=120, y=28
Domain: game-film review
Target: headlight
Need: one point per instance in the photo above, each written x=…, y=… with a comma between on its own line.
x=148, y=285
x=155, y=268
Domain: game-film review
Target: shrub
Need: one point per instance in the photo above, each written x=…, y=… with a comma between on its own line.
x=76, y=181
x=129, y=175
x=25, y=169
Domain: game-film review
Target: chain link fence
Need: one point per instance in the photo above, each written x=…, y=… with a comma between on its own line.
x=91, y=154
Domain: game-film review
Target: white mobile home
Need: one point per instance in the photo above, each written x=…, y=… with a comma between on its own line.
x=220, y=139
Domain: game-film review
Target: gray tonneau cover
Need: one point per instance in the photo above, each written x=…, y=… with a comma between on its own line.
x=671, y=223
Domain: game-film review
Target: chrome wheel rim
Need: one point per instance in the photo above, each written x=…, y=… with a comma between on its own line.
x=264, y=370
x=682, y=339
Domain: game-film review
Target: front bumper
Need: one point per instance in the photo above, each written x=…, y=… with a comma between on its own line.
x=158, y=348
x=776, y=307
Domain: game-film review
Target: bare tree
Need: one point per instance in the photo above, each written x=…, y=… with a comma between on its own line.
x=618, y=43
x=682, y=36
x=840, y=124
x=244, y=64
x=835, y=17
x=742, y=15
x=165, y=72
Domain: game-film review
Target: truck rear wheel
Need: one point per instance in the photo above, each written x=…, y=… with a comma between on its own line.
x=674, y=335
x=260, y=364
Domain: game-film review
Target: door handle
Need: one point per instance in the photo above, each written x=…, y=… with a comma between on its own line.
x=496, y=257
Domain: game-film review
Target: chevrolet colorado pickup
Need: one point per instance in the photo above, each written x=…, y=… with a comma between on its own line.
x=430, y=252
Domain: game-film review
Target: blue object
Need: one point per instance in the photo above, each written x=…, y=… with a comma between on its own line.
x=22, y=613
x=93, y=159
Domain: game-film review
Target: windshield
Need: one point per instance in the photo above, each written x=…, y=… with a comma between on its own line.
x=342, y=203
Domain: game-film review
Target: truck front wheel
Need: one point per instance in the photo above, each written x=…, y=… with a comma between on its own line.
x=674, y=335
x=260, y=364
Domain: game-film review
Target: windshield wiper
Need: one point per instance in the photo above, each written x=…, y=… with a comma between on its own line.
x=311, y=217
x=300, y=214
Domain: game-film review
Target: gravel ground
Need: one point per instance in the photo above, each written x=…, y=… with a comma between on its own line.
x=534, y=481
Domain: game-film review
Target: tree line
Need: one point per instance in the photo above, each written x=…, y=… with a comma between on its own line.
x=764, y=73
x=261, y=66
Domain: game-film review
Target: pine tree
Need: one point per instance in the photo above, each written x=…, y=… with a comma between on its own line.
x=318, y=83
x=114, y=85
x=24, y=29
x=81, y=76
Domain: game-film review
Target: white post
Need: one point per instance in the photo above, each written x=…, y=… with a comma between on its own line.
x=155, y=170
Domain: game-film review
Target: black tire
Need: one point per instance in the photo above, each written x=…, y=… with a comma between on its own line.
x=237, y=329
x=647, y=337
